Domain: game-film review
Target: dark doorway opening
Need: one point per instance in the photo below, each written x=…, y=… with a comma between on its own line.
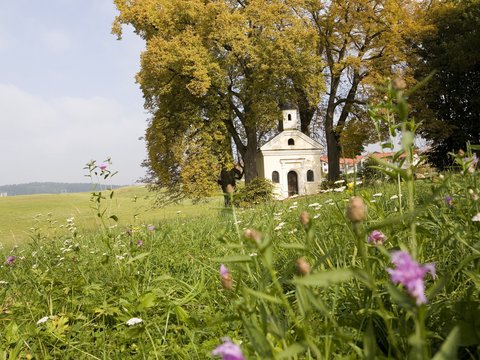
x=292, y=179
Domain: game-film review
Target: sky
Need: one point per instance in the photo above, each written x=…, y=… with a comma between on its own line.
x=67, y=92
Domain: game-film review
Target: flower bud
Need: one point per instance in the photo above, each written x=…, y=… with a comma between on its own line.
x=304, y=218
x=225, y=277
x=356, y=210
x=253, y=235
x=399, y=84
x=302, y=266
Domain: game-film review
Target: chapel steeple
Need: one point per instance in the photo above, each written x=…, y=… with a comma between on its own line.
x=290, y=117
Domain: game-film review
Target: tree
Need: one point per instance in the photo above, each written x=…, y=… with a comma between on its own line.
x=360, y=42
x=216, y=66
x=449, y=104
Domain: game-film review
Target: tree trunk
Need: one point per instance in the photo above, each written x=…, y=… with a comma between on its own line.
x=333, y=149
x=306, y=112
x=250, y=155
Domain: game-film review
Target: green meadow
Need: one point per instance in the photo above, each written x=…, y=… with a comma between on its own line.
x=306, y=278
x=20, y=216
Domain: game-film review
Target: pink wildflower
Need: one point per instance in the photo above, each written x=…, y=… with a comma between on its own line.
x=410, y=274
x=225, y=277
x=102, y=167
x=228, y=350
x=377, y=238
x=150, y=227
x=10, y=260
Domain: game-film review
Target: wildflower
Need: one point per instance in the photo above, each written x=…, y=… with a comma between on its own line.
x=356, y=210
x=134, y=321
x=279, y=226
x=225, y=277
x=3, y=282
x=410, y=274
x=377, y=238
x=449, y=201
x=102, y=167
x=316, y=216
x=150, y=227
x=139, y=243
x=314, y=205
x=476, y=217
x=393, y=197
x=42, y=320
x=10, y=260
x=302, y=266
x=304, y=218
x=228, y=350
x=340, y=189
x=339, y=182
x=377, y=195
x=292, y=207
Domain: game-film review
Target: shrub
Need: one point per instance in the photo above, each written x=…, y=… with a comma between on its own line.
x=257, y=191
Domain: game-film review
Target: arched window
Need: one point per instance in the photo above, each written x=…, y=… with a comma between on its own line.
x=289, y=116
x=275, y=177
x=291, y=142
x=310, y=176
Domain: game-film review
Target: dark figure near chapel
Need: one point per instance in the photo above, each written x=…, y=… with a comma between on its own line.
x=227, y=181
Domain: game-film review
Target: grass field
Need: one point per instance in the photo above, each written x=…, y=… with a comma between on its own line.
x=20, y=215
x=300, y=279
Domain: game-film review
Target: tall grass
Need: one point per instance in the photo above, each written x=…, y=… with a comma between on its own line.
x=301, y=279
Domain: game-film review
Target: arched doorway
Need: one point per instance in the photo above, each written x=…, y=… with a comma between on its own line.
x=292, y=179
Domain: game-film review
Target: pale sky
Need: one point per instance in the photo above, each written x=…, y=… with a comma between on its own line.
x=67, y=92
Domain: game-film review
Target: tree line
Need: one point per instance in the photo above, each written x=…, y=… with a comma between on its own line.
x=215, y=73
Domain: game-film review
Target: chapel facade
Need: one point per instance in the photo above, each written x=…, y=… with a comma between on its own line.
x=291, y=160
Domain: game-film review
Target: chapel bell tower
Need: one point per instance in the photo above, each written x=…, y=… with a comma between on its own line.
x=290, y=117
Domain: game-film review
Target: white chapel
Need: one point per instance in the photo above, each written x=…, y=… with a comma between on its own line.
x=291, y=160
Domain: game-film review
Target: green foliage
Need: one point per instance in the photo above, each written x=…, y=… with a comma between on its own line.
x=257, y=191
x=450, y=52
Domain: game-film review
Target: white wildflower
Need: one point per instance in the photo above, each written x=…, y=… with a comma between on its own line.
x=3, y=282
x=279, y=226
x=340, y=189
x=339, y=182
x=314, y=205
x=42, y=320
x=134, y=321
x=476, y=217
x=393, y=197
x=377, y=195
x=373, y=201
x=316, y=216
x=292, y=207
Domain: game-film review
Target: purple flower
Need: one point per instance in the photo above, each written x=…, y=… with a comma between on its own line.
x=10, y=260
x=410, y=274
x=226, y=278
x=377, y=238
x=150, y=227
x=102, y=167
x=224, y=271
x=449, y=201
x=139, y=243
x=228, y=350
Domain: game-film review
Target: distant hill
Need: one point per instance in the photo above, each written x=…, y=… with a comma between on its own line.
x=47, y=188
